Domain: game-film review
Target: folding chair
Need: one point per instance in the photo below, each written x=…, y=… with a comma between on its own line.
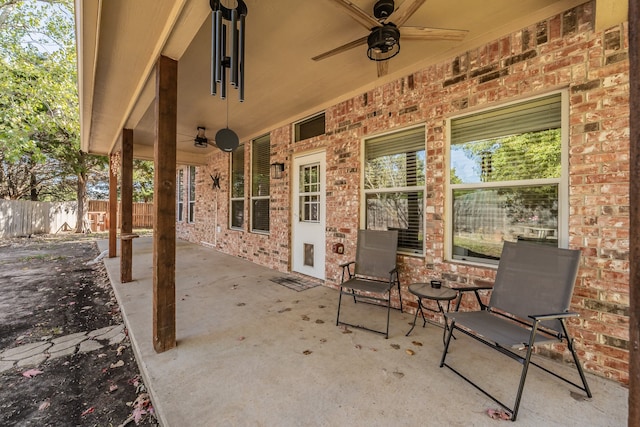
x=529, y=305
x=374, y=273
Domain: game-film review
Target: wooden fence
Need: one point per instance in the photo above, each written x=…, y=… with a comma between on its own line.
x=99, y=215
x=23, y=218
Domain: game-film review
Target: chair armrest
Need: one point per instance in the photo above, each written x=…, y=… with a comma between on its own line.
x=346, y=264
x=550, y=316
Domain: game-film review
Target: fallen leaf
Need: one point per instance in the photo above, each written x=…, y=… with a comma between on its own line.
x=395, y=346
x=44, y=405
x=87, y=412
x=32, y=373
x=305, y=318
x=410, y=352
x=319, y=321
x=118, y=364
x=416, y=343
x=113, y=387
x=241, y=338
x=307, y=352
x=498, y=414
x=101, y=355
x=358, y=346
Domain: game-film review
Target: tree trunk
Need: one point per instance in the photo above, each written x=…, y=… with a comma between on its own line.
x=33, y=183
x=81, y=195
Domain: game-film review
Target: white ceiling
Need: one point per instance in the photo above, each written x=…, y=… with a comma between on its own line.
x=120, y=40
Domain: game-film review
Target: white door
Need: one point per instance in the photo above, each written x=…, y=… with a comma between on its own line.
x=309, y=215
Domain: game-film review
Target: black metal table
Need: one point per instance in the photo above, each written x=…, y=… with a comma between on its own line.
x=426, y=291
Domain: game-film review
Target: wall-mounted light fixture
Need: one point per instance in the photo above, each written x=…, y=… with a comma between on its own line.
x=277, y=170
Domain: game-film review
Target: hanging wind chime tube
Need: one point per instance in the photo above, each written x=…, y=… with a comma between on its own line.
x=227, y=25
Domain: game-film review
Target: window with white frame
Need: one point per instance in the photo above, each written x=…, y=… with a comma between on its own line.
x=310, y=127
x=180, y=193
x=260, y=182
x=394, y=184
x=507, y=178
x=192, y=193
x=236, y=213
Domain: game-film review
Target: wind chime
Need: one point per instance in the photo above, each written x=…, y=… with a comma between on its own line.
x=227, y=25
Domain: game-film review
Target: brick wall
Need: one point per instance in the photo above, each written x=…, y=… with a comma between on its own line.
x=562, y=52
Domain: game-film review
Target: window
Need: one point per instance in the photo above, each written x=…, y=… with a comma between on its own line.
x=260, y=169
x=237, y=188
x=192, y=193
x=394, y=182
x=308, y=128
x=310, y=193
x=180, y=192
x=506, y=178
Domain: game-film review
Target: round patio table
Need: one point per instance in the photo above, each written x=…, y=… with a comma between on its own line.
x=426, y=291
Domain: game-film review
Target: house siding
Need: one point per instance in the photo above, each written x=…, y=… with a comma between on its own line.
x=561, y=52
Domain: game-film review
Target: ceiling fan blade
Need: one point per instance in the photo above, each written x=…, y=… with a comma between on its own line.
x=341, y=49
x=404, y=11
x=425, y=33
x=362, y=17
x=383, y=68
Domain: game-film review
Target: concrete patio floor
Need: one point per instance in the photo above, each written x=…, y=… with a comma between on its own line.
x=251, y=352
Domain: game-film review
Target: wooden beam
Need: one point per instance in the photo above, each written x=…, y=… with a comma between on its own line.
x=164, y=218
x=113, y=203
x=126, y=209
x=634, y=209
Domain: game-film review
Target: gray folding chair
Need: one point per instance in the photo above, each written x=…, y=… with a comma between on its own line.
x=374, y=273
x=529, y=305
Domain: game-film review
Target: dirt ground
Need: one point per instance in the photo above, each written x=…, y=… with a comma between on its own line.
x=49, y=288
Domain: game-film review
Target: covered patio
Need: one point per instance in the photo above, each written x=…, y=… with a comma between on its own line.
x=253, y=352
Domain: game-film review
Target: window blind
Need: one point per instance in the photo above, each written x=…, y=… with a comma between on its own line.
x=396, y=143
x=260, y=167
x=530, y=116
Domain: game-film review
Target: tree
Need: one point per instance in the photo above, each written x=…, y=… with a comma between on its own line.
x=39, y=131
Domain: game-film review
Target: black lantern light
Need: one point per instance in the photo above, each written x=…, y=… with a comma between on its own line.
x=383, y=42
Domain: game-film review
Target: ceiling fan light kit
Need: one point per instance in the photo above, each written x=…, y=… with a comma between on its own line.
x=385, y=27
x=201, y=140
x=383, y=42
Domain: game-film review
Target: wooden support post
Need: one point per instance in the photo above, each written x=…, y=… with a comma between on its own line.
x=113, y=203
x=634, y=209
x=164, y=218
x=126, y=211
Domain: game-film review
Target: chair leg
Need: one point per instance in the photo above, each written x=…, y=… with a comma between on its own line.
x=388, y=314
x=399, y=295
x=446, y=345
x=339, y=303
x=575, y=359
x=525, y=369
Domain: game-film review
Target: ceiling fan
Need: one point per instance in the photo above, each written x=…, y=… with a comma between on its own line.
x=225, y=139
x=385, y=28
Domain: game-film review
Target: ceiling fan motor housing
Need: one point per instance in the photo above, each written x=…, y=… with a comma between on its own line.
x=383, y=9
